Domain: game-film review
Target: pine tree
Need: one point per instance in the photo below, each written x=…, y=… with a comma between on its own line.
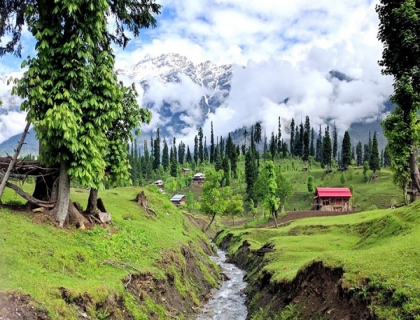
x=156, y=150
x=174, y=164
x=366, y=153
x=279, y=141
x=319, y=151
x=312, y=147
x=387, y=157
x=188, y=157
x=251, y=173
x=359, y=154
x=212, y=144
x=284, y=149
x=200, y=145
x=206, y=150
x=273, y=146
x=292, y=137
x=226, y=171
x=346, y=150
x=222, y=147
x=265, y=147
x=196, y=158
x=257, y=133
x=181, y=152
x=306, y=137
x=165, y=156
x=174, y=149
x=374, y=163
x=335, y=143
x=327, y=148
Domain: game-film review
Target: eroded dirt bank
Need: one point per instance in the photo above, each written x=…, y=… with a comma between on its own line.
x=189, y=277
x=317, y=292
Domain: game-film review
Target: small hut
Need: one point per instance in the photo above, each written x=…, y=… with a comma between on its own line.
x=198, y=178
x=185, y=170
x=178, y=199
x=159, y=184
x=332, y=199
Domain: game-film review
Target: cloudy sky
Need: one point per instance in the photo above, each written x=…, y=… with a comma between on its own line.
x=288, y=48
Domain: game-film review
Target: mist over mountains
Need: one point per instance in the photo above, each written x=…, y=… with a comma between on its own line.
x=184, y=96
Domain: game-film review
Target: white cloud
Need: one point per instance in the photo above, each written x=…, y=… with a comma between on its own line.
x=288, y=48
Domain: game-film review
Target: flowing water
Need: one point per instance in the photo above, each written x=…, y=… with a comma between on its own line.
x=228, y=302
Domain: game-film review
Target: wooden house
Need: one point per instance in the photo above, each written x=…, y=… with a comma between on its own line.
x=198, y=178
x=332, y=199
x=178, y=199
x=185, y=170
x=159, y=184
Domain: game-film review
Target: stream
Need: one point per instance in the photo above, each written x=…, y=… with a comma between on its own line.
x=228, y=302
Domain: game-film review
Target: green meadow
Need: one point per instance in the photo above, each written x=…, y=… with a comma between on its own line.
x=378, y=250
x=38, y=259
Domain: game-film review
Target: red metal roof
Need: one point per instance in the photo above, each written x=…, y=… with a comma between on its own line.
x=333, y=192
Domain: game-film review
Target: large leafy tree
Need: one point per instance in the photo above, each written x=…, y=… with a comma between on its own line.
x=71, y=91
x=399, y=31
x=214, y=199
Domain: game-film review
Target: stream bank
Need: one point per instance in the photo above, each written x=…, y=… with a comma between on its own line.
x=228, y=302
x=317, y=291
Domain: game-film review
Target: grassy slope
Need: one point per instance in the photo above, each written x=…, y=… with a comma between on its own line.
x=380, y=245
x=381, y=192
x=38, y=259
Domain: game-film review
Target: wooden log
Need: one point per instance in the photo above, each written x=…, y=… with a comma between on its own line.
x=28, y=197
x=13, y=160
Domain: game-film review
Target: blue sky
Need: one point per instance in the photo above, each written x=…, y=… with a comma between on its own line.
x=279, y=41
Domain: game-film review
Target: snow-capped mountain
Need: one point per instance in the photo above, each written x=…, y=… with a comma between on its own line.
x=179, y=92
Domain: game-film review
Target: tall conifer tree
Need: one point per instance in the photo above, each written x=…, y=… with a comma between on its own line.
x=374, y=161
x=346, y=150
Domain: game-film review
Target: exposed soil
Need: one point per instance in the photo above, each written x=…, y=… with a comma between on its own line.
x=317, y=291
x=290, y=216
x=15, y=306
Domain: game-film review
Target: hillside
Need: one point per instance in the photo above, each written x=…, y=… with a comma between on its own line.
x=358, y=266
x=140, y=267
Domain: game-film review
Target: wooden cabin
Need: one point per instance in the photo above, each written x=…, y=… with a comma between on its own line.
x=198, y=178
x=185, y=170
x=332, y=199
x=178, y=199
x=159, y=184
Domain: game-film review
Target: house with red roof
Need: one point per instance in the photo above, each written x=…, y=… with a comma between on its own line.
x=332, y=199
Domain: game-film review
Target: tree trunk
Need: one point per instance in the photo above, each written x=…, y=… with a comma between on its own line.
x=92, y=205
x=414, y=168
x=13, y=161
x=61, y=209
x=46, y=189
x=275, y=219
x=212, y=219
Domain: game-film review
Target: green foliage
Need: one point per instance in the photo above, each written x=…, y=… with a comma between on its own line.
x=311, y=188
x=235, y=206
x=214, y=199
x=342, y=178
x=398, y=30
x=366, y=170
x=346, y=150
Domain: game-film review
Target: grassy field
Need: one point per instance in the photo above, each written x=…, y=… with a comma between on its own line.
x=378, y=250
x=38, y=259
x=381, y=193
